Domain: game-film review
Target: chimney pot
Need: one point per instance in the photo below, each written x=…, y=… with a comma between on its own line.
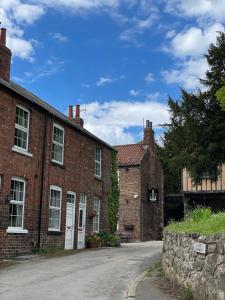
x=70, y=112
x=78, y=120
x=148, y=124
x=3, y=36
x=77, y=111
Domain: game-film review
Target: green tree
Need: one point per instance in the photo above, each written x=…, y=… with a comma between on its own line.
x=195, y=136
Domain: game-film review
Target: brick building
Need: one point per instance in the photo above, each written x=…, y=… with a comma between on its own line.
x=53, y=172
x=141, y=189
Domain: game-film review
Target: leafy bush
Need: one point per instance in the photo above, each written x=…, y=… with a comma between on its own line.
x=114, y=241
x=108, y=239
x=201, y=221
x=104, y=236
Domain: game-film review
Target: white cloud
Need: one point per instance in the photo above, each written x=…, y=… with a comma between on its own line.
x=194, y=41
x=213, y=9
x=134, y=93
x=170, y=34
x=59, y=37
x=52, y=66
x=103, y=81
x=21, y=48
x=114, y=121
x=27, y=13
x=187, y=74
x=80, y=5
x=149, y=78
x=188, y=48
x=137, y=27
x=14, y=14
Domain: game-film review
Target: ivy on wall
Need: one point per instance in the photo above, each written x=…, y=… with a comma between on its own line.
x=113, y=200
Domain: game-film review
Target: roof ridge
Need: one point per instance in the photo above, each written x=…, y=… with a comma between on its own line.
x=47, y=107
x=136, y=144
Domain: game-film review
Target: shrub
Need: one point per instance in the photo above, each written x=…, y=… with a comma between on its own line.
x=110, y=240
x=104, y=236
x=114, y=241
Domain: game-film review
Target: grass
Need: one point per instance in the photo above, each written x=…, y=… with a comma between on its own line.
x=201, y=221
x=156, y=270
x=164, y=284
x=185, y=294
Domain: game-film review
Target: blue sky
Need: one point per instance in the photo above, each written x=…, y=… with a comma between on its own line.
x=119, y=59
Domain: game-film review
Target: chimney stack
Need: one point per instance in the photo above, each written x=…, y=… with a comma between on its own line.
x=149, y=135
x=78, y=120
x=3, y=36
x=5, y=57
x=70, y=113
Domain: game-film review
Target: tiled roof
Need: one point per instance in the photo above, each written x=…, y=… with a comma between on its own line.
x=130, y=154
x=34, y=99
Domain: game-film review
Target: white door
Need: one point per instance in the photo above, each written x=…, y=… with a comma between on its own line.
x=81, y=222
x=70, y=220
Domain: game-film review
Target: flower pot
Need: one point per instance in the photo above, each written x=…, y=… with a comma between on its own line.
x=93, y=244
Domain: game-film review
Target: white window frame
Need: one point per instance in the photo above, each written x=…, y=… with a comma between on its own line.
x=56, y=143
x=19, y=229
x=98, y=162
x=59, y=189
x=97, y=217
x=73, y=194
x=17, y=126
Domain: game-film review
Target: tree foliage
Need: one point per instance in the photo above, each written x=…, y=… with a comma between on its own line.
x=113, y=200
x=195, y=136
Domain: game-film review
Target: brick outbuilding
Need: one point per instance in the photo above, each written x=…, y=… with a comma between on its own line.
x=141, y=190
x=53, y=173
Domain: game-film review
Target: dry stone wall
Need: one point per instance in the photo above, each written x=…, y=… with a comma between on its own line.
x=186, y=267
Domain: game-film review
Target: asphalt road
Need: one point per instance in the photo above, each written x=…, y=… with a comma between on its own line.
x=101, y=274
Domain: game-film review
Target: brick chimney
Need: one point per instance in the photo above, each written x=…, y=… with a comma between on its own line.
x=149, y=135
x=5, y=57
x=78, y=120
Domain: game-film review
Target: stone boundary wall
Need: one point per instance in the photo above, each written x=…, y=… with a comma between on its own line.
x=203, y=273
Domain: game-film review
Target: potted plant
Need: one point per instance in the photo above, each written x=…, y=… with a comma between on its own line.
x=92, y=214
x=93, y=240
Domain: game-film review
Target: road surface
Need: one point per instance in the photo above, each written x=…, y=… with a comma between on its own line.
x=104, y=274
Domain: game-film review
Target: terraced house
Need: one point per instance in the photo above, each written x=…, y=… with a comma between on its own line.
x=53, y=172
x=141, y=189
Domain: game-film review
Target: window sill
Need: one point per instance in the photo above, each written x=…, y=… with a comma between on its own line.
x=98, y=178
x=57, y=164
x=16, y=230
x=21, y=151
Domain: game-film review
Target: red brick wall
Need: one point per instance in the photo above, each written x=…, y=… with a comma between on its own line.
x=152, y=212
x=145, y=216
x=77, y=175
x=129, y=209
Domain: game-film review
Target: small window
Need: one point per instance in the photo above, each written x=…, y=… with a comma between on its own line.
x=55, y=208
x=21, y=128
x=58, y=144
x=16, y=208
x=98, y=162
x=96, y=219
x=71, y=197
